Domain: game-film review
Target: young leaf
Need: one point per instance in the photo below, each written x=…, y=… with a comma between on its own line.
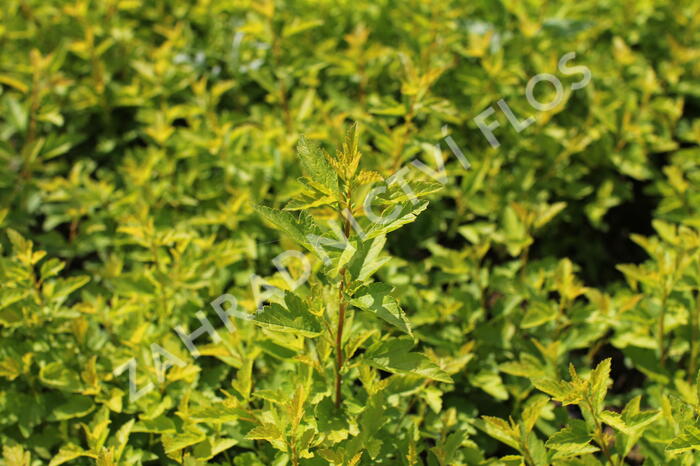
x=316, y=166
x=599, y=383
x=16, y=456
x=532, y=410
x=565, y=392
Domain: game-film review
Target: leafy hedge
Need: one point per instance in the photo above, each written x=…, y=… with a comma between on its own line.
x=540, y=303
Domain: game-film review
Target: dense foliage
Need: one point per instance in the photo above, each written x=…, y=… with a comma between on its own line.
x=191, y=271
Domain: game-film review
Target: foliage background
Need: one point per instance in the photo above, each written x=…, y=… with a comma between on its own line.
x=136, y=138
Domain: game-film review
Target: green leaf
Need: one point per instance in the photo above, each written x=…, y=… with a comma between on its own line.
x=285, y=222
x=51, y=268
x=173, y=443
x=219, y=413
x=268, y=432
x=500, y=430
x=57, y=375
x=294, y=318
x=615, y=421
x=573, y=440
x=397, y=193
x=490, y=382
x=75, y=406
x=121, y=439
x=395, y=356
x=548, y=213
x=447, y=449
x=598, y=381
x=377, y=299
x=532, y=410
x=564, y=392
x=538, y=313
x=316, y=166
x=367, y=259
x=211, y=447
x=159, y=425
x=307, y=201
x=298, y=25
x=687, y=441
x=331, y=422
x=16, y=456
x=68, y=453
x=63, y=287
x=390, y=220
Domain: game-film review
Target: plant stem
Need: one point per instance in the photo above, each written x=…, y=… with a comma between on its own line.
x=342, y=305
x=339, y=343
x=599, y=433
x=295, y=453
x=528, y=456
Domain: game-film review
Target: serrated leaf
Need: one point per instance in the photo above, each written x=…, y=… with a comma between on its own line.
x=390, y=220
x=572, y=440
x=105, y=458
x=446, y=450
x=68, y=453
x=598, y=381
x=367, y=177
x=532, y=410
x=548, y=213
x=173, y=443
x=308, y=201
x=562, y=391
x=294, y=318
x=122, y=438
x=16, y=456
x=377, y=299
x=331, y=422
x=687, y=441
x=62, y=288
x=500, y=430
x=538, y=313
x=615, y=421
x=57, y=375
x=268, y=432
x=219, y=413
x=212, y=447
x=316, y=166
x=367, y=259
x=74, y=406
x=285, y=222
x=158, y=425
x=395, y=356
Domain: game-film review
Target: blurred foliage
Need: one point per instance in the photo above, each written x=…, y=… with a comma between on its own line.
x=552, y=289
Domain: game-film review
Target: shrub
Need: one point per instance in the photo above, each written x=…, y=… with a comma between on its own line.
x=313, y=232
